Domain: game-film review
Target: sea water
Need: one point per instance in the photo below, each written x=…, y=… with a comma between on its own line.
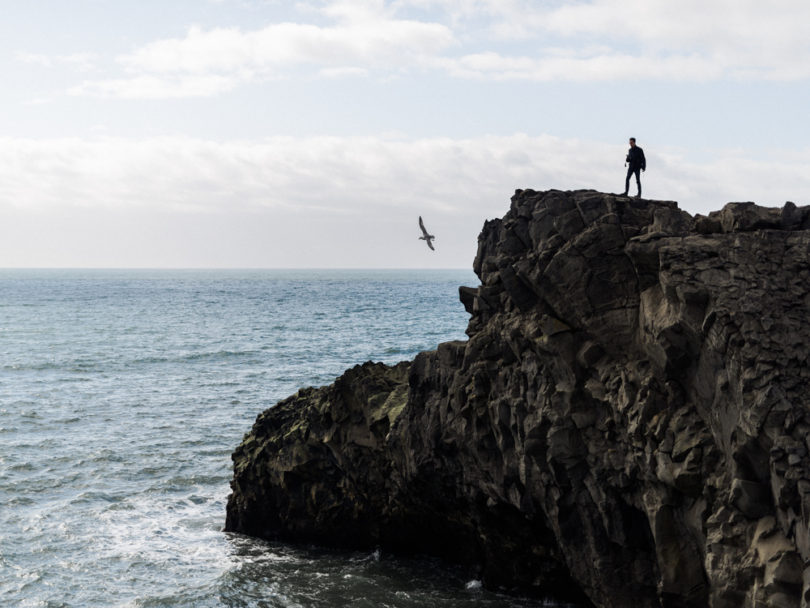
x=123, y=395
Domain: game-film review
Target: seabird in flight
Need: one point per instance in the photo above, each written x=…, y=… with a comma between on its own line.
x=428, y=238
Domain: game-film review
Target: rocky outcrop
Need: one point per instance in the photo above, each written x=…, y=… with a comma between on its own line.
x=627, y=424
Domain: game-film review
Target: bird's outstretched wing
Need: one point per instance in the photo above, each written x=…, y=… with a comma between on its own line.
x=422, y=226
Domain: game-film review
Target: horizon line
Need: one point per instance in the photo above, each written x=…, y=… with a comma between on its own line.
x=225, y=268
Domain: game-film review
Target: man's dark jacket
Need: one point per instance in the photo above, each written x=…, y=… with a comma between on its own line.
x=635, y=159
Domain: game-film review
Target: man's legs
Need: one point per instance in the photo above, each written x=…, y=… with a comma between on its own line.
x=638, y=181
x=627, y=181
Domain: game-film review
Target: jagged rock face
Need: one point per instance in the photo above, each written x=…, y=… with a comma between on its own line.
x=627, y=424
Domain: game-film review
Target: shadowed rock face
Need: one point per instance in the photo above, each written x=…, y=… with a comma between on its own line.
x=627, y=424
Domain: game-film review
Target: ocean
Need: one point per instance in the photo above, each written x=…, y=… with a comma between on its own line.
x=123, y=395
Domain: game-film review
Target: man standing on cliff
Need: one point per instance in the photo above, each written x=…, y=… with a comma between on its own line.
x=635, y=162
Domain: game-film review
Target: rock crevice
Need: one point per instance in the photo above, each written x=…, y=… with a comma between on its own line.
x=626, y=425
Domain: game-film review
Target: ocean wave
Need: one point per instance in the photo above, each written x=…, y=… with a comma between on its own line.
x=214, y=355
x=123, y=399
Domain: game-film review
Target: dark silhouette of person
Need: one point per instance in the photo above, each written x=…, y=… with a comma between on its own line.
x=635, y=163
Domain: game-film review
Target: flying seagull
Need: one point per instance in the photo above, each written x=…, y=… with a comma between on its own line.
x=428, y=238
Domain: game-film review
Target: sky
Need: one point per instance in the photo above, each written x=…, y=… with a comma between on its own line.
x=313, y=134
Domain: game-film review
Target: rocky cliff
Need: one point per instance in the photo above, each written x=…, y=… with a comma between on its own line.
x=627, y=424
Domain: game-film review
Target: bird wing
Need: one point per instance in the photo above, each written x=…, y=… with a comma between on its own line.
x=422, y=226
x=430, y=244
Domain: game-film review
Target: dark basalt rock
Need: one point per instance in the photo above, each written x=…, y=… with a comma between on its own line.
x=627, y=424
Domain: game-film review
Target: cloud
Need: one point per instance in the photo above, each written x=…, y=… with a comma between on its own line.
x=501, y=40
x=157, y=87
x=741, y=38
x=631, y=39
x=358, y=175
x=83, y=62
x=321, y=201
x=601, y=67
x=209, y=61
x=344, y=72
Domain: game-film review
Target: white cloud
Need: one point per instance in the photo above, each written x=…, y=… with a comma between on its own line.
x=206, y=62
x=361, y=174
x=556, y=66
x=83, y=62
x=343, y=72
x=157, y=87
x=320, y=201
x=642, y=39
x=739, y=37
x=595, y=40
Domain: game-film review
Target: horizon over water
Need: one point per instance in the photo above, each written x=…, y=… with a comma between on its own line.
x=123, y=393
x=362, y=269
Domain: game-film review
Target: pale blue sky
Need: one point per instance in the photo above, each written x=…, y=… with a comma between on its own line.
x=312, y=134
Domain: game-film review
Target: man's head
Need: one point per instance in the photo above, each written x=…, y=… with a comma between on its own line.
x=632, y=142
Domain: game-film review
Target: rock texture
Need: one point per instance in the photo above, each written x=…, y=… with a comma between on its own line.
x=627, y=424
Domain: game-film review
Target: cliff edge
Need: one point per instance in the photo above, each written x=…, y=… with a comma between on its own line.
x=627, y=424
